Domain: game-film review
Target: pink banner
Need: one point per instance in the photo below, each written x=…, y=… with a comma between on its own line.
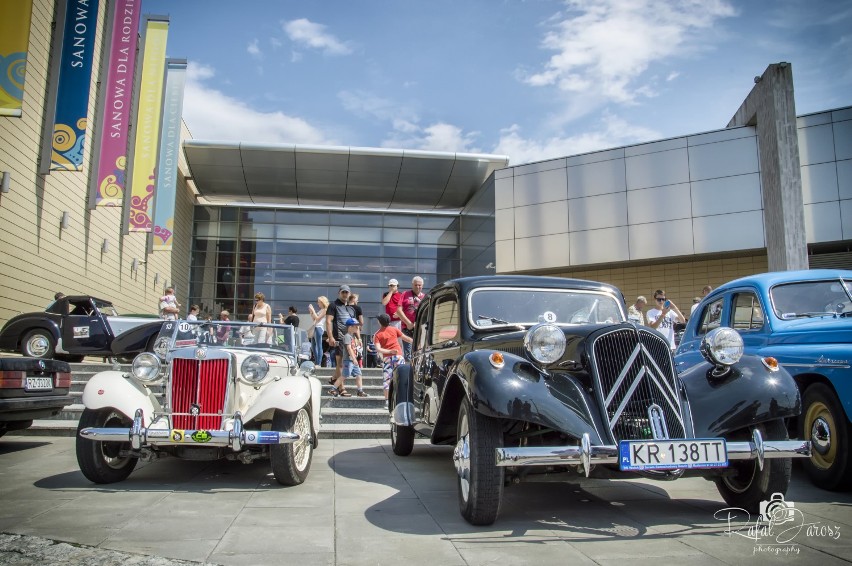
x=113, y=122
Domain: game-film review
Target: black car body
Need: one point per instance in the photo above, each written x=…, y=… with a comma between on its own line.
x=77, y=326
x=31, y=389
x=542, y=375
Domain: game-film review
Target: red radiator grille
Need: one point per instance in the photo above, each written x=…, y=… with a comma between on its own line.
x=204, y=383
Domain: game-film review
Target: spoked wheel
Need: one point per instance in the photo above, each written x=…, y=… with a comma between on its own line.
x=402, y=437
x=480, y=480
x=751, y=485
x=38, y=344
x=102, y=462
x=292, y=462
x=825, y=425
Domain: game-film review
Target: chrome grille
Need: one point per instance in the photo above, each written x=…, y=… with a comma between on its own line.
x=637, y=385
x=202, y=383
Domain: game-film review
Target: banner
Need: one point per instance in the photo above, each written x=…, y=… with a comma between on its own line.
x=143, y=166
x=14, y=40
x=164, y=204
x=68, y=131
x=111, y=130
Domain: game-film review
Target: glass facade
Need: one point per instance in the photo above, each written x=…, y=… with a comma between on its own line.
x=294, y=255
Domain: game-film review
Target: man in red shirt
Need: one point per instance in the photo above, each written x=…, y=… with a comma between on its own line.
x=407, y=312
x=391, y=301
x=386, y=341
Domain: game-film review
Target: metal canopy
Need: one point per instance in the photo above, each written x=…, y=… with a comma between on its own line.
x=348, y=177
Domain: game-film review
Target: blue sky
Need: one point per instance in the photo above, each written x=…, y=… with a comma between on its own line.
x=531, y=79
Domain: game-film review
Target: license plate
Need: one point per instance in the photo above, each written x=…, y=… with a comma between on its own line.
x=672, y=454
x=38, y=383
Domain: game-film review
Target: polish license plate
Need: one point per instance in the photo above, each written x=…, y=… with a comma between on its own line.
x=672, y=454
x=38, y=383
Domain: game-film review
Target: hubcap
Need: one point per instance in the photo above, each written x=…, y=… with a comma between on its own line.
x=461, y=458
x=821, y=423
x=37, y=346
x=302, y=447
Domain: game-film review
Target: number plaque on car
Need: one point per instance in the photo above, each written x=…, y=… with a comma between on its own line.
x=38, y=383
x=672, y=454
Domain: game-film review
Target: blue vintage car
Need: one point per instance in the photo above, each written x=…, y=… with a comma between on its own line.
x=804, y=320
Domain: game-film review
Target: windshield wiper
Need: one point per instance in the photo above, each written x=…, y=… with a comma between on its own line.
x=493, y=319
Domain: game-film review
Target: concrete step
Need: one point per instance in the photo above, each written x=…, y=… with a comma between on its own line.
x=374, y=401
x=354, y=416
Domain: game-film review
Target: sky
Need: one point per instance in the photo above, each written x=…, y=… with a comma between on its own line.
x=531, y=79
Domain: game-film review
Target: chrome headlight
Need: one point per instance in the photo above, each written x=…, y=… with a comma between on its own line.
x=722, y=346
x=161, y=347
x=146, y=367
x=254, y=369
x=545, y=343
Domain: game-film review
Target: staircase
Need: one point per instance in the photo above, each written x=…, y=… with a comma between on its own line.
x=341, y=417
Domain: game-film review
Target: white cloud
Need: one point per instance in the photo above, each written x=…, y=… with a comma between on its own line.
x=308, y=34
x=611, y=132
x=436, y=137
x=254, y=49
x=603, y=46
x=213, y=115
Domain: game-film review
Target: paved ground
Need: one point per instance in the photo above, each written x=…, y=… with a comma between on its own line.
x=363, y=505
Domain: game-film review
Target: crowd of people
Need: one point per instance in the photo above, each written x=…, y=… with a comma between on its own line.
x=664, y=315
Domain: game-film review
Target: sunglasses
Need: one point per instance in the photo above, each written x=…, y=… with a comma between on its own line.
x=345, y=292
x=661, y=299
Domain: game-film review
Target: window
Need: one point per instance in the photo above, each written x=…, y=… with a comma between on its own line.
x=748, y=314
x=445, y=322
x=711, y=317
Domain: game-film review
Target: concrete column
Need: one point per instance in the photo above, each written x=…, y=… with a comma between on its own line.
x=771, y=108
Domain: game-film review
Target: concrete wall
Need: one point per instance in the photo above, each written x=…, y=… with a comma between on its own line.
x=37, y=257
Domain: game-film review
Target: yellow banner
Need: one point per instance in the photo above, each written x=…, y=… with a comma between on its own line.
x=143, y=180
x=14, y=40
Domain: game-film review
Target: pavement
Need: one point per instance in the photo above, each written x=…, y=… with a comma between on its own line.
x=362, y=505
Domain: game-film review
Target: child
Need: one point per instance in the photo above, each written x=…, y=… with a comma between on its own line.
x=350, y=357
x=386, y=341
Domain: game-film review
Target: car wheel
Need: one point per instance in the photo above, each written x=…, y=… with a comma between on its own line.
x=38, y=344
x=102, y=462
x=751, y=485
x=824, y=423
x=402, y=437
x=292, y=462
x=480, y=480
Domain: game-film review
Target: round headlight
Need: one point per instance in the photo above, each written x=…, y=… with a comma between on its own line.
x=146, y=367
x=545, y=343
x=722, y=346
x=161, y=347
x=254, y=369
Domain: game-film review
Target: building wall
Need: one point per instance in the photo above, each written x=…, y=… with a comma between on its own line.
x=37, y=257
x=477, y=232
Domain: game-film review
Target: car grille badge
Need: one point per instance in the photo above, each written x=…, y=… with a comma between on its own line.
x=195, y=409
x=201, y=353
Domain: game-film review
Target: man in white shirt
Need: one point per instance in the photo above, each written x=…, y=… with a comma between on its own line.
x=664, y=316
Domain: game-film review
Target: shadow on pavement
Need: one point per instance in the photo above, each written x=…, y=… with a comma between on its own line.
x=11, y=447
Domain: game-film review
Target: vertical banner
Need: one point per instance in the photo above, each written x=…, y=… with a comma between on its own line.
x=167, y=162
x=143, y=165
x=112, y=127
x=69, y=102
x=14, y=39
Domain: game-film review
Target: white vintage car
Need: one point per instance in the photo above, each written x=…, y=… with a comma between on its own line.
x=232, y=390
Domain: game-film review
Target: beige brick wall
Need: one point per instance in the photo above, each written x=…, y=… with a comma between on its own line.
x=681, y=280
x=37, y=258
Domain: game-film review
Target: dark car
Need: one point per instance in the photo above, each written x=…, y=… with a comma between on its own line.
x=804, y=320
x=541, y=375
x=31, y=389
x=77, y=326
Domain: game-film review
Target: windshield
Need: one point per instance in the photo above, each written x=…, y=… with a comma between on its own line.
x=226, y=334
x=525, y=306
x=106, y=308
x=811, y=298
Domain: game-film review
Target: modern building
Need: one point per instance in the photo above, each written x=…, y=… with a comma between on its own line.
x=769, y=191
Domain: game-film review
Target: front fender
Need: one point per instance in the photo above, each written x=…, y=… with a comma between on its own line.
x=136, y=339
x=749, y=394
x=288, y=394
x=124, y=394
x=402, y=392
x=519, y=391
x=14, y=330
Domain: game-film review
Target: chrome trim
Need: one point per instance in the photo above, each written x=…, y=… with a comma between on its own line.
x=608, y=454
x=815, y=365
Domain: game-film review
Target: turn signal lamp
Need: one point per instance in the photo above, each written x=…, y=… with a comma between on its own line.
x=496, y=359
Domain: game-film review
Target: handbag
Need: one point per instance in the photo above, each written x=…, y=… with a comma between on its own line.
x=311, y=331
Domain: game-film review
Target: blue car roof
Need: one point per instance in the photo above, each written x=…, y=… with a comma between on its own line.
x=767, y=280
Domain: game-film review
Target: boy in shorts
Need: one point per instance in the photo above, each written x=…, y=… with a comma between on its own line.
x=386, y=341
x=350, y=357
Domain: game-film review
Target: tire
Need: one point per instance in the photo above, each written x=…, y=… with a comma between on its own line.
x=480, y=480
x=71, y=359
x=402, y=437
x=38, y=343
x=100, y=461
x=751, y=485
x=824, y=423
x=292, y=462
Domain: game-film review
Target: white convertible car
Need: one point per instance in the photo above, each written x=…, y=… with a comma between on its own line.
x=225, y=393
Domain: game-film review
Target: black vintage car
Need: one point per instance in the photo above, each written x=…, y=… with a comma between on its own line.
x=31, y=389
x=542, y=375
x=77, y=326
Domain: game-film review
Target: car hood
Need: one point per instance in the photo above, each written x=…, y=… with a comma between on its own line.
x=814, y=330
x=121, y=324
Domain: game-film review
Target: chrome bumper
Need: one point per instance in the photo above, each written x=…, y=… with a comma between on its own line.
x=235, y=439
x=587, y=455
